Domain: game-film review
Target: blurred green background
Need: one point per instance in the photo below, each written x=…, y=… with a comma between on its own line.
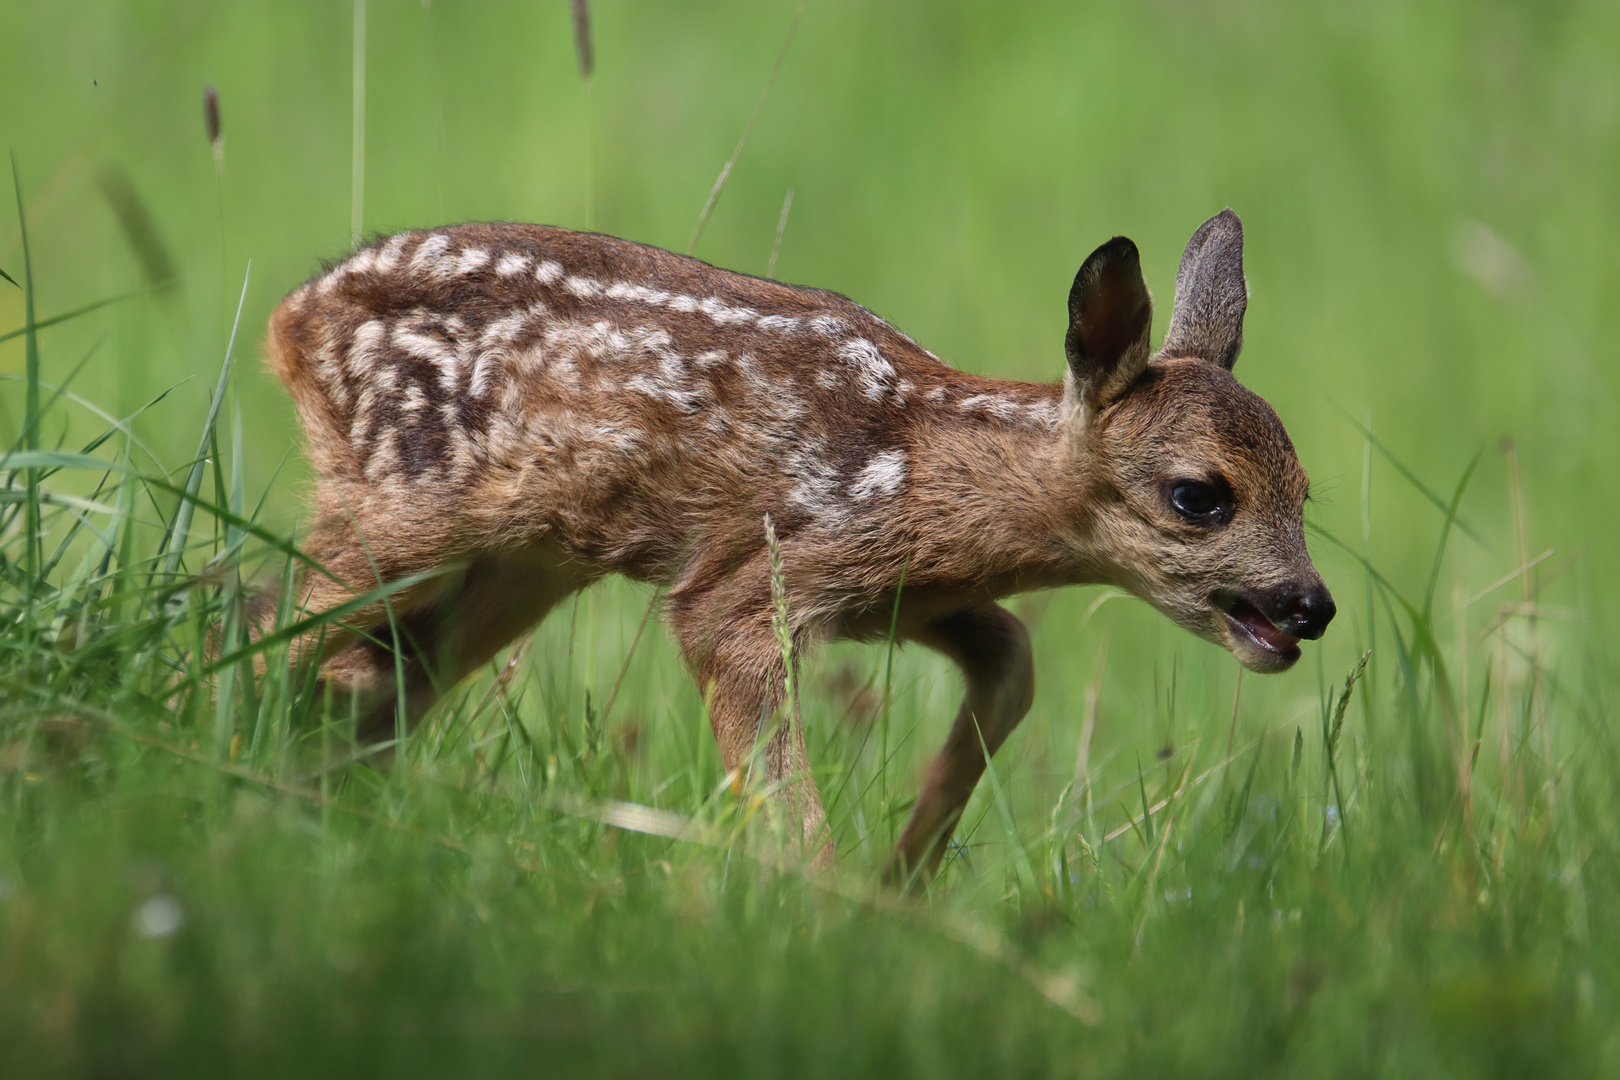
x=1431, y=194
x=1428, y=188
x=1428, y=192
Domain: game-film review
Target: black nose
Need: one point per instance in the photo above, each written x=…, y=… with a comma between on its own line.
x=1310, y=612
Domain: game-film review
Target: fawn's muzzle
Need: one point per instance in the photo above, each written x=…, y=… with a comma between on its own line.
x=1269, y=623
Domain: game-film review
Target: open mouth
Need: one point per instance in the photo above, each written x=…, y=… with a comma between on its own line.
x=1254, y=626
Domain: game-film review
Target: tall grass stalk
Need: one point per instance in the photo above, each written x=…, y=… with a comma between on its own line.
x=742, y=141
x=179, y=532
x=30, y=426
x=215, y=132
x=781, y=227
x=585, y=53
x=357, y=153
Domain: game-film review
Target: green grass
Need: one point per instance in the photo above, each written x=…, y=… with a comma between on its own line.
x=1170, y=872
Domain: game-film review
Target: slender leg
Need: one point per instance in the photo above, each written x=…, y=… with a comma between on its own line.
x=355, y=565
x=441, y=628
x=739, y=670
x=992, y=647
x=440, y=642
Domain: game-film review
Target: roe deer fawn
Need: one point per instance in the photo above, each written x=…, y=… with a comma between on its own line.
x=538, y=407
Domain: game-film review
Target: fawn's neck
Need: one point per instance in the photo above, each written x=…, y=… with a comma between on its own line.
x=999, y=509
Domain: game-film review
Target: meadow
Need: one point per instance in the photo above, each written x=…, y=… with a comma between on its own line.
x=1398, y=859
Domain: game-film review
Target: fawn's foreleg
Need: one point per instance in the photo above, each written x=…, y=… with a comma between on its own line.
x=740, y=671
x=992, y=648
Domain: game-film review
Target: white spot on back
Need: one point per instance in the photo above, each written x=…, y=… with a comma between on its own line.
x=999, y=407
x=409, y=338
x=669, y=383
x=815, y=481
x=469, y=261
x=430, y=251
x=582, y=287
x=390, y=253
x=495, y=342
x=725, y=314
x=362, y=353
x=874, y=373
x=640, y=294
x=362, y=262
x=548, y=272
x=883, y=475
x=1044, y=413
x=829, y=326
x=511, y=265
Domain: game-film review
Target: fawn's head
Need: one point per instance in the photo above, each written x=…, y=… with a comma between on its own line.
x=1194, y=493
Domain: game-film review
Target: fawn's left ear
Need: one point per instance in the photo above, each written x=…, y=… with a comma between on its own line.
x=1110, y=315
x=1210, y=294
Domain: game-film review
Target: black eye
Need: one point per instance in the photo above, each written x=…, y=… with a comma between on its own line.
x=1199, y=502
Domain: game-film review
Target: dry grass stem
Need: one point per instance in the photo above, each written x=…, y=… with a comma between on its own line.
x=725, y=171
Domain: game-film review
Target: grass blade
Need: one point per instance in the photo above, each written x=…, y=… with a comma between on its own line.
x=1412, y=478
x=174, y=543
x=1021, y=863
x=33, y=325
x=731, y=162
x=33, y=543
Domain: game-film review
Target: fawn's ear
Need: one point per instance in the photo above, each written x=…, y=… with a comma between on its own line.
x=1110, y=314
x=1210, y=294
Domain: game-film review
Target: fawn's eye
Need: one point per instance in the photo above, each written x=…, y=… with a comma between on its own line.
x=1201, y=503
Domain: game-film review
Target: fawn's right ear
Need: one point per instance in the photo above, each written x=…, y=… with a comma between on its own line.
x=1110, y=315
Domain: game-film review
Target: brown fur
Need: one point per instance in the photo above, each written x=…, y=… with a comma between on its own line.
x=537, y=408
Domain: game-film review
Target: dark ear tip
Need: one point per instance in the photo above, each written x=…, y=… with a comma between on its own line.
x=1121, y=249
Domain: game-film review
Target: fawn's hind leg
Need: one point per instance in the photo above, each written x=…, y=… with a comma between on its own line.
x=443, y=627
x=348, y=565
x=431, y=646
x=354, y=563
x=992, y=648
x=424, y=637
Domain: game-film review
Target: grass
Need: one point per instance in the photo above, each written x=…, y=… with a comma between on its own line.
x=1399, y=859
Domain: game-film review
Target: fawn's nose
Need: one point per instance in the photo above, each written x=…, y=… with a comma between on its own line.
x=1309, y=611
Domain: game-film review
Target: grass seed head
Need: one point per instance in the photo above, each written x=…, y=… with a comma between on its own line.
x=581, y=10
x=216, y=137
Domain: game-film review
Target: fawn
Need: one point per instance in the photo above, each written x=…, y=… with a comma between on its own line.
x=535, y=408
